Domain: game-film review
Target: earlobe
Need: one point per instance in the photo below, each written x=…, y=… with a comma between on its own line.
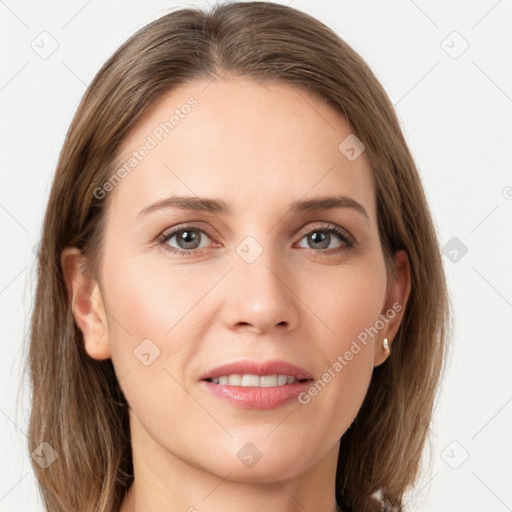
x=398, y=293
x=86, y=302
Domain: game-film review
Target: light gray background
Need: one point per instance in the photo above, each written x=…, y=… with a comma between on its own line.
x=455, y=107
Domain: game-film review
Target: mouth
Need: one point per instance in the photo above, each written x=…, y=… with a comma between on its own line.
x=258, y=381
x=257, y=385
x=249, y=373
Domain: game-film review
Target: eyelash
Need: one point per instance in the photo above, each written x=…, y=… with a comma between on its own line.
x=348, y=241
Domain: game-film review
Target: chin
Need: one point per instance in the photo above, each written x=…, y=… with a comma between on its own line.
x=249, y=465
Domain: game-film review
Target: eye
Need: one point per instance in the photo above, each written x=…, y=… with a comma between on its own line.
x=320, y=238
x=188, y=240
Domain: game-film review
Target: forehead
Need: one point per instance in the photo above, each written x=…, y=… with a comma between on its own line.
x=243, y=141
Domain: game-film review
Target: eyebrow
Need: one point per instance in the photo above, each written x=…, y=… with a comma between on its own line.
x=206, y=204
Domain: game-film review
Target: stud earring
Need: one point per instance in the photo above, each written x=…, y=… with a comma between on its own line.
x=385, y=344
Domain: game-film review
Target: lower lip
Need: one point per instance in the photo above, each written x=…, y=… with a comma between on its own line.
x=255, y=397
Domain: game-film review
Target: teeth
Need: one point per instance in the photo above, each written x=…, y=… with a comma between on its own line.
x=234, y=380
x=248, y=380
x=251, y=380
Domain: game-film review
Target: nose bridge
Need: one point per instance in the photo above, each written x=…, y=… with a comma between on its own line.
x=260, y=264
x=262, y=295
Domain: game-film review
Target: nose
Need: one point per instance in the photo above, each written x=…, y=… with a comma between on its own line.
x=260, y=295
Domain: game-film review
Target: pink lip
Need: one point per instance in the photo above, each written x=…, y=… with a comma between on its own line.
x=258, y=368
x=257, y=397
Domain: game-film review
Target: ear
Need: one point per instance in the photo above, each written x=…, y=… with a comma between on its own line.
x=398, y=290
x=86, y=303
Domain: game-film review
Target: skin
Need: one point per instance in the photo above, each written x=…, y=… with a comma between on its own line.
x=258, y=147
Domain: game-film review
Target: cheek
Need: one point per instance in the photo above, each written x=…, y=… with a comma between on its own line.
x=347, y=302
x=151, y=338
x=152, y=301
x=149, y=326
x=350, y=308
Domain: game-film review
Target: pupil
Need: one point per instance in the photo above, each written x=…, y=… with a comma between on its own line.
x=319, y=237
x=188, y=234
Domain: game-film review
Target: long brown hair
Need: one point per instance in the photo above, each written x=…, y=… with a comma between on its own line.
x=78, y=407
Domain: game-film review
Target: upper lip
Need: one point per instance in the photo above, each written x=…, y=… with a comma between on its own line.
x=258, y=368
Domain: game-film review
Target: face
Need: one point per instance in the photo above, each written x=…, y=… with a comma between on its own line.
x=258, y=272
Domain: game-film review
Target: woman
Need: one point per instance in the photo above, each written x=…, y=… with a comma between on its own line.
x=241, y=301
